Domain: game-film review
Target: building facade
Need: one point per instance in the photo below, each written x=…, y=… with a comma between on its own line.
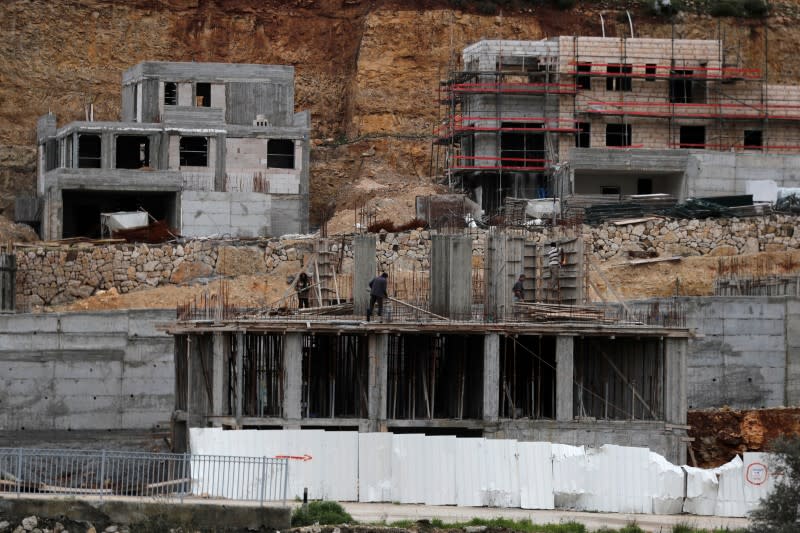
x=614, y=116
x=211, y=148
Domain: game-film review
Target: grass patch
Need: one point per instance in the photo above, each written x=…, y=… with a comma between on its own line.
x=323, y=513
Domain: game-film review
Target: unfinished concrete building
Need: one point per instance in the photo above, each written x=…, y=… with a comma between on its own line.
x=461, y=359
x=581, y=116
x=211, y=148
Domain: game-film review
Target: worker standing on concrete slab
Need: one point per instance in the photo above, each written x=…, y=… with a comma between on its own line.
x=377, y=292
x=302, y=286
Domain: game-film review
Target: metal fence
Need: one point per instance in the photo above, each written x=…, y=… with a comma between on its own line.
x=104, y=473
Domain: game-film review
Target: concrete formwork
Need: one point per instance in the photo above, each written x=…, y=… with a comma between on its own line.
x=451, y=276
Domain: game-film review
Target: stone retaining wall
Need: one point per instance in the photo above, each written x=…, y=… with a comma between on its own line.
x=53, y=275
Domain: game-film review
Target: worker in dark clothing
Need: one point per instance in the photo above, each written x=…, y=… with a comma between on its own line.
x=303, y=285
x=518, y=289
x=377, y=292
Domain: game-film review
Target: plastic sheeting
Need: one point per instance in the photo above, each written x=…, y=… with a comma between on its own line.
x=414, y=468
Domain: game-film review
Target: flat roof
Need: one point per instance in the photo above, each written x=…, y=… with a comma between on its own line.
x=209, y=72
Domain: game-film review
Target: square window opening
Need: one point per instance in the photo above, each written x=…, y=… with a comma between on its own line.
x=618, y=134
x=280, y=153
x=753, y=139
x=693, y=137
x=133, y=151
x=194, y=152
x=619, y=83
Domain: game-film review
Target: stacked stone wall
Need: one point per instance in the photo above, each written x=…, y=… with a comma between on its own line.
x=48, y=275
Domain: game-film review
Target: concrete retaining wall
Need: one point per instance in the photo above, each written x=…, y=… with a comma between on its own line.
x=104, y=370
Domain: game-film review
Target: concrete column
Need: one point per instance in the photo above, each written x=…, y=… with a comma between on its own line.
x=237, y=409
x=675, y=402
x=292, y=376
x=378, y=350
x=491, y=377
x=217, y=373
x=364, y=269
x=451, y=276
x=219, y=162
x=792, y=318
x=565, y=376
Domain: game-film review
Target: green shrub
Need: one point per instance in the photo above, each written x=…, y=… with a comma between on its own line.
x=727, y=8
x=778, y=512
x=756, y=8
x=323, y=513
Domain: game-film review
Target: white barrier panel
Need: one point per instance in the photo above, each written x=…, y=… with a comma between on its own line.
x=325, y=462
x=468, y=479
x=413, y=468
x=375, y=467
x=759, y=477
x=535, y=475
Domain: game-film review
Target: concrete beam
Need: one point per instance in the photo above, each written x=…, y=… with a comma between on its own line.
x=675, y=403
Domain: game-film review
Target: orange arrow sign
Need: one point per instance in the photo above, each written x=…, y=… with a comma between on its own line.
x=305, y=457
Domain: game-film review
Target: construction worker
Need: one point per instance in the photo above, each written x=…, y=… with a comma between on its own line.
x=519, y=289
x=377, y=292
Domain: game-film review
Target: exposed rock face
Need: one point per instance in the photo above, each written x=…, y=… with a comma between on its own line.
x=368, y=70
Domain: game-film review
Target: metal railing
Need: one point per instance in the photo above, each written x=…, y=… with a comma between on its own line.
x=103, y=473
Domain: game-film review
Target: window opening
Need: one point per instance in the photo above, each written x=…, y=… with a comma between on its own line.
x=583, y=138
x=133, y=151
x=170, y=93
x=684, y=90
x=610, y=189
x=619, y=83
x=194, y=152
x=280, y=153
x=618, y=134
x=203, y=95
x=584, y=81
x=522, y=148
x=89, y=151
x=753, y=139
x=644, y=186
x=650, y=71
x=693, y=137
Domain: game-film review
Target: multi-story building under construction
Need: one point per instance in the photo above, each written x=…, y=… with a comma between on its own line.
x=613, y=116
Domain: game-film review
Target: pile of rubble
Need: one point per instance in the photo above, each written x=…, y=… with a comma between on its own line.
x=34, y=524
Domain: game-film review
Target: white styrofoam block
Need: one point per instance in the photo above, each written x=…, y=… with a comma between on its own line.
x=500, y=473
x=730, y=495
x=568, y=475
x=762, y=190
x=666, y=485
x=701, y=491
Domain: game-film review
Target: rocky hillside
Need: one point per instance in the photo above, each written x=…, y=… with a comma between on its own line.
x=367, y=69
